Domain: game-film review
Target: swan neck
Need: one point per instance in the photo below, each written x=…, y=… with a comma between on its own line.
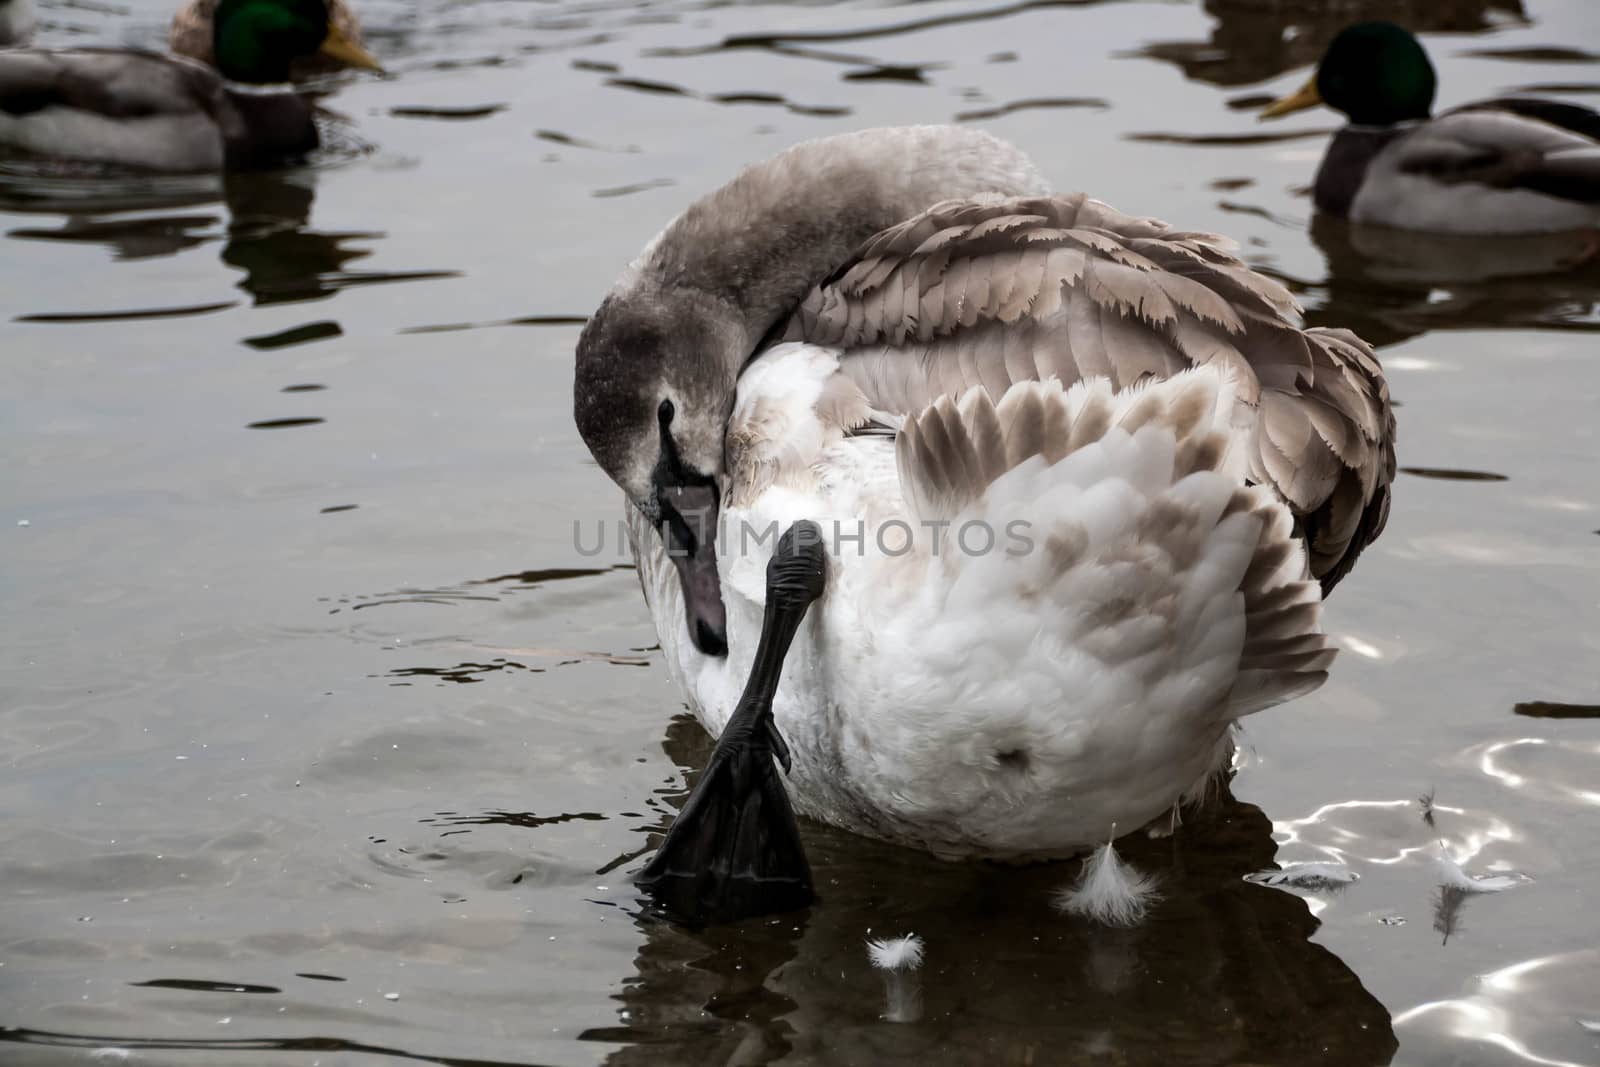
x=757, y=246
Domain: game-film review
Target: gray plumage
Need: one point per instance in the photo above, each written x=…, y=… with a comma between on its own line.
x=143, y=110
x=704, y=295
x=994, y=292
x=1497, y=166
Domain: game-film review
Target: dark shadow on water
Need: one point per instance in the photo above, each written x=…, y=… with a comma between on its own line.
x=286, y=423
x=1223, y=971
x=463, y=673
x=1552, y=53
x=142, y=237
x=614, y=191
x=205, y=985
x=1549, y=709
x=1225, y=140
x=1036, y=103
x=1255, y=40
x=296, y=335
x=448, y=114
x=268, y=235
x=1390, y=285
x=142, y=1045
x=1454, y=474
x=557, y=137
x=760, y=98
x=786, y=43
x=526, y=820
x=908, y=73
x=126, y=314
x=525, y=320
x=283, y=259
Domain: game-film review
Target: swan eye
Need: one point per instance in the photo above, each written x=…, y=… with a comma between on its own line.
x=665, y=412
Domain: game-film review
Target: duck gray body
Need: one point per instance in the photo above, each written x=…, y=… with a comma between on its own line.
x=143, y=110
x=1497, y=166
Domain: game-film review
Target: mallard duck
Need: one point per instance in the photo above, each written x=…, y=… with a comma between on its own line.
x=192, y=33
x=16, y=22
x=1508, y=165
x=168, y=113
x=1064, y=486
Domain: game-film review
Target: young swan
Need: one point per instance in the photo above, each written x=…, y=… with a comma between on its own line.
x=1046, y=469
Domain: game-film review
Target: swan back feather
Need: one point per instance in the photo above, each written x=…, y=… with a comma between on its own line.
x=995, y=291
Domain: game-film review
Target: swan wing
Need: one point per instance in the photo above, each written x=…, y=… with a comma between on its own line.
x=994, y=291
x=1144, y=461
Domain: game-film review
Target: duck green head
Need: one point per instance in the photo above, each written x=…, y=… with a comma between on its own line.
x=1374, y=72
x=256, y=40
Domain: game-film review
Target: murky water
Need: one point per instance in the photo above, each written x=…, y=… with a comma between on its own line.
x=323, y=743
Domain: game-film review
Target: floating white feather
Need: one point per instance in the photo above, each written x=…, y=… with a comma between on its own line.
x=1452, y=876
x=1323, y=876
x=1109, y=891
x=895, y=953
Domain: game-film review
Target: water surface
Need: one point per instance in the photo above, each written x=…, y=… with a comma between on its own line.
x=324, y=744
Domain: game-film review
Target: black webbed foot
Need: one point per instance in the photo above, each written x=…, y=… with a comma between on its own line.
x=734, y=850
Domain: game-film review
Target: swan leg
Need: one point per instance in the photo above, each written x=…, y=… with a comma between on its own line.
x=734, y=850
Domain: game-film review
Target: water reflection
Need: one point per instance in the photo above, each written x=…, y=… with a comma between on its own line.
x=143, y=237
x=1007, y=979
x=1255, y=40
x=269, y=235
x=1389, y=285
x=117, y=1049
x=283, y=259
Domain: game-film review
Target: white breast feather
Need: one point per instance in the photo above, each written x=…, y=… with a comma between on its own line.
x=978, y=701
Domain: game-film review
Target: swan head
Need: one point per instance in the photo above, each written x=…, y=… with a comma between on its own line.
x=653, y=390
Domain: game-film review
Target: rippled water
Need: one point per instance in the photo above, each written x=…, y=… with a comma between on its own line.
x=324, y=744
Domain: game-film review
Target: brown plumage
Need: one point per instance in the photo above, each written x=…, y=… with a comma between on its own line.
x=995, y=291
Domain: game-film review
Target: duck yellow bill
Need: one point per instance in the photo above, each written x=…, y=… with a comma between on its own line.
x=1302, y=98
x=337, y=46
